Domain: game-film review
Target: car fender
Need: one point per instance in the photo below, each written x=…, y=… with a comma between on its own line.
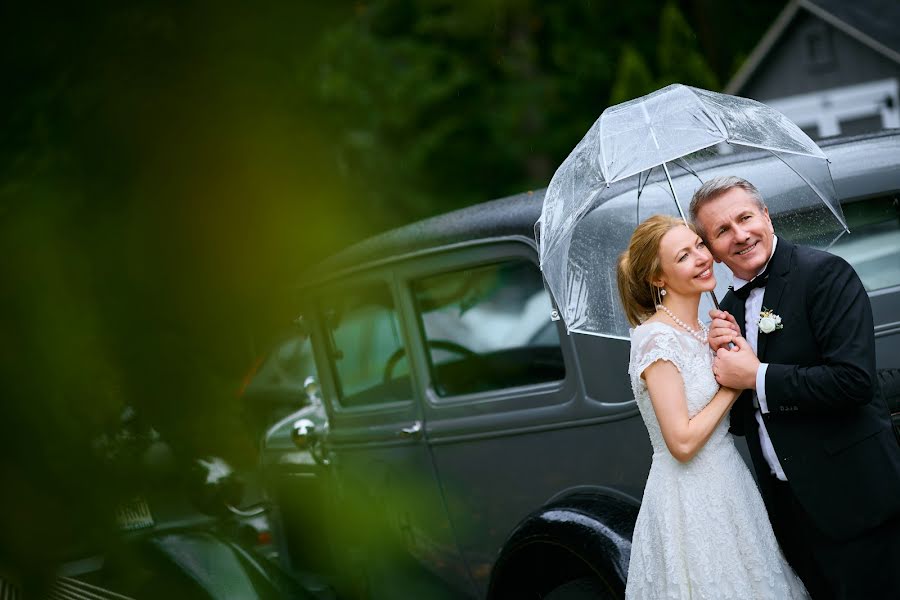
x=218, y=568
x=584, y=533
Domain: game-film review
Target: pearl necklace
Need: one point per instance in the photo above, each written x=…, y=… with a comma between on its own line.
x=700, y=335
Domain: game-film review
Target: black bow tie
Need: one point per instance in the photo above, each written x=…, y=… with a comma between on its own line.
x=759, y=281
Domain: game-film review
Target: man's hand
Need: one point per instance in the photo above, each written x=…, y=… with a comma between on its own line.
x=736, y=368
x=723, y=330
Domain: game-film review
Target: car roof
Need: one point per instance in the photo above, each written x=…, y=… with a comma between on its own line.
x=504, y=217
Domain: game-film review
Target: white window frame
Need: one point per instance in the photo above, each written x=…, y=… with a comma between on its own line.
x=826, y=109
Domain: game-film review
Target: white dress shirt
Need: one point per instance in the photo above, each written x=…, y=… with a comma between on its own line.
x=752, y=308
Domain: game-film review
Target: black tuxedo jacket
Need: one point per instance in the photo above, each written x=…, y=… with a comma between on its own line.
x=827, y=419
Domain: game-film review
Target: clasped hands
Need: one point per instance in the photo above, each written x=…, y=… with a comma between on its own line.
x=734, y=367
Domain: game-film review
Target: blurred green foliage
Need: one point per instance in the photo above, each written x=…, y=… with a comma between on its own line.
x=443, y=104
x=167, y=169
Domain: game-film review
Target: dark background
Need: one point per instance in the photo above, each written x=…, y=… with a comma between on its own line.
x=168, y=169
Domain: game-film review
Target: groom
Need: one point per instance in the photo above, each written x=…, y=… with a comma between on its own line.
x=816, y=424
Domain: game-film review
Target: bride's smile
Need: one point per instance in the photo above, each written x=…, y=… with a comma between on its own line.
x=685, y=263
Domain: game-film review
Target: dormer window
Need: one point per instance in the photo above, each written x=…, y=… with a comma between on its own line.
x=820, y=54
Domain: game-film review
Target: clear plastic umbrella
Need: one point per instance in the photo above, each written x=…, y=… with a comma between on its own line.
x=648, y=156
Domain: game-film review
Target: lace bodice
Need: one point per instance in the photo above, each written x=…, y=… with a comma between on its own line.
x=657, y=341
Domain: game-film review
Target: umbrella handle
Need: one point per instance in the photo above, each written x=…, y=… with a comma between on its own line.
x=712, y=294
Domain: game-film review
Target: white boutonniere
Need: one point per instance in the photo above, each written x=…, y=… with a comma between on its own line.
x=768, y=321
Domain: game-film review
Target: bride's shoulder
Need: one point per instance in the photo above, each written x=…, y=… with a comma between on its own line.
x=652, y=341
x=649, y=326
x=652, y=332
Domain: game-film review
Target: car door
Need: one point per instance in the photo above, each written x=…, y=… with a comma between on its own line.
x=506, y=414
x=389, y=502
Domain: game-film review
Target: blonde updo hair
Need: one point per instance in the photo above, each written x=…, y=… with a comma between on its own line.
x=639, y=266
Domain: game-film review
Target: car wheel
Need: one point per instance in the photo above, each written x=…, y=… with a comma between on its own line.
x=583, y=588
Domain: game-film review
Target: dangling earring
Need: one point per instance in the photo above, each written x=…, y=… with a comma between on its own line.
x=658, y=293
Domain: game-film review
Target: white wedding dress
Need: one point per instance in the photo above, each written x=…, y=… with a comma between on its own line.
x=702, y=530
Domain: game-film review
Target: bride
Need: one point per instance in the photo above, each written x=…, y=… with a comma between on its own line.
x=702, y=530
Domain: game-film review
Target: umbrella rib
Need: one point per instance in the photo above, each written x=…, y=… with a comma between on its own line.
x=649, y=125
x=720, y=124
x=834, y=241
x=774, y=150
x=603, y=335
x=602, y=148
x=640, y=190
x=816, y=191
x=674, y=195
x=682, y=164
x=557, y=240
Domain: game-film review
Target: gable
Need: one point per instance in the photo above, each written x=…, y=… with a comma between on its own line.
x=812, y=55
x=874, y=22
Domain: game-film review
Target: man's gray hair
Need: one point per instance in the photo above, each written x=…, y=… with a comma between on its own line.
x=717, y=186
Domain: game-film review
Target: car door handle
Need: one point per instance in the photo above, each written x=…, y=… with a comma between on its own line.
x=413, y=432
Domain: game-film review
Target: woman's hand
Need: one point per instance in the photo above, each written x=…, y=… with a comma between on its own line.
x=723, y=330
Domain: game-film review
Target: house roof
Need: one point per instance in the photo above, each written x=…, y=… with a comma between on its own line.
x=873, y=23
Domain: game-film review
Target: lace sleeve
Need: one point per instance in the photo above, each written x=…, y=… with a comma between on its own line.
x=652, y=342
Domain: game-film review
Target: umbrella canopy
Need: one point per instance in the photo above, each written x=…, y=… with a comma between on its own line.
x=640, y=158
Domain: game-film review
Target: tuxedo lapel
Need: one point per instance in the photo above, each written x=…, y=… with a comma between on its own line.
x=778, y=276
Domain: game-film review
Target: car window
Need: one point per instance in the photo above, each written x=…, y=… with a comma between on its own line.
x=873, y=244
x=365, y=346
x=488, y=328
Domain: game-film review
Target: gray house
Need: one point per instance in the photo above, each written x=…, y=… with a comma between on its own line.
x=831, y=66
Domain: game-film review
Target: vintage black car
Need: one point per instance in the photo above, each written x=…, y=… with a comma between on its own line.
x=461, y=437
